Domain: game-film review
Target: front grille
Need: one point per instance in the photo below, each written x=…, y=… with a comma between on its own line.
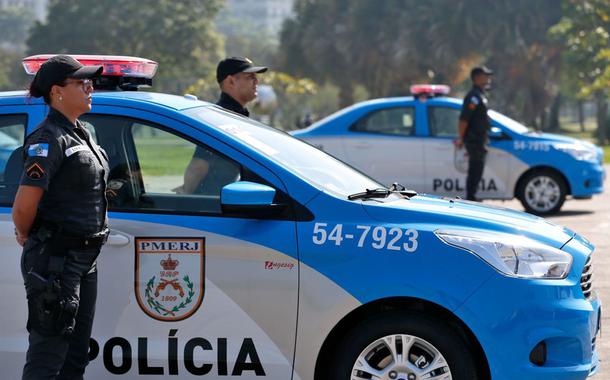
x=586, y=279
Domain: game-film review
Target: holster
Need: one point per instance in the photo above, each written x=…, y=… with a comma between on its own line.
x=52, y=314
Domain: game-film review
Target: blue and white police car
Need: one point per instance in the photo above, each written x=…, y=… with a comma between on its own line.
x=296, y=266
x=410, y=140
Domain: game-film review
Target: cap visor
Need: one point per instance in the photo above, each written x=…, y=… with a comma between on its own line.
x=87, y=72
x=255, y=69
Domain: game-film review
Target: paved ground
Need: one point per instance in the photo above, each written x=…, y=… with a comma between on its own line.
x=591, y=218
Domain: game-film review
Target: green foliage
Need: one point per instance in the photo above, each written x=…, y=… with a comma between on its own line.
x=243, y=38
x=585, y=31
x=12, y=76
x=387, y=45
x=14, y=25
x=177, y=34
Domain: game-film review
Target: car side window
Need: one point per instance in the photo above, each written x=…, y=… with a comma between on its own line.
x=390, y=121
x=443, y=121
x=12, y=133
x=153, y=169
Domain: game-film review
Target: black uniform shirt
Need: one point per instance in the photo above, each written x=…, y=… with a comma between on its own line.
x=227, y=102
x=72, y=169
x=474, y=112
x=221, y=171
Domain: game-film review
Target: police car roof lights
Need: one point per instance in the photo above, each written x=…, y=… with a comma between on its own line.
x=429, y=90
x=120, y=72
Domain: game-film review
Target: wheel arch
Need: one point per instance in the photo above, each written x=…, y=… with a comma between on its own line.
x=398, y=304
x=537, y=169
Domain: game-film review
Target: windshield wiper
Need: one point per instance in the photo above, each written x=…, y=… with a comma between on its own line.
x=382, y=192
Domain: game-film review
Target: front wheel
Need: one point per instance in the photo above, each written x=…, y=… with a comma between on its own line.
x=402, y=346
x=542, y=192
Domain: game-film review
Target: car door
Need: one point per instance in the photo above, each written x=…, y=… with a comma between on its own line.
x=383, y=144
x=185, y=290
x=446, y=166
x=14, y=122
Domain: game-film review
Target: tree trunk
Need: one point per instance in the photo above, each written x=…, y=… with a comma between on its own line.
x=554, y=114
x=581, y=114
x=602, y=117
x=346, y=95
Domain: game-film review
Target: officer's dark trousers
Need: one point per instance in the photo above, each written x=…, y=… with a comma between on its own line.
x=476, y=164
x=59, y=356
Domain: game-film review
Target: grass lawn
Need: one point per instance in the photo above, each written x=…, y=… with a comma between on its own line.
x=162, y=157
x=607, y=154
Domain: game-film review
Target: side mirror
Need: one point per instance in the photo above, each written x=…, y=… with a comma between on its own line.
x=249, y=198
x=496, y=133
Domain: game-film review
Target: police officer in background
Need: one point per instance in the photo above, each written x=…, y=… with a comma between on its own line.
x=238, y=83
x=60, y=220
x=473, y=126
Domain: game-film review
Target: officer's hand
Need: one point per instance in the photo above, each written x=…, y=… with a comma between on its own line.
x=459, y=143
x=179, y=189
x=20, y=238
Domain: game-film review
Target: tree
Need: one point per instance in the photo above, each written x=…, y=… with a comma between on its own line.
x=177, y=34
x=387, y=45
x=585, y=32
x=14, y=25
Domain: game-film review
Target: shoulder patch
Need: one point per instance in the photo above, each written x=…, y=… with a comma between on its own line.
x=35, y=171
x=474, y=100
x=38, y=150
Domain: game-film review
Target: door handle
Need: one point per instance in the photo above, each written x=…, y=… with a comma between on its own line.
x=117, y=240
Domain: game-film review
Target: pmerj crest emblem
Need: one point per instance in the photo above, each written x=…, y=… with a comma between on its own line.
x=460, y=160
x=169, y=276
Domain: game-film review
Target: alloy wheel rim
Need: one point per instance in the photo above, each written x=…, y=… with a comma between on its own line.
x=400, y=357
x=542, y=193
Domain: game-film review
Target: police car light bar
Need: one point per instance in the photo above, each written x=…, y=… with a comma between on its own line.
x=430, y=89
x=126, y=73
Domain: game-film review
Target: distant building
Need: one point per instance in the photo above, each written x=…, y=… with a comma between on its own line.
x=37, y=7
x=267, y=14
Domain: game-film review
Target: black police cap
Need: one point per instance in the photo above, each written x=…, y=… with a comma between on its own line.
x=480, y=70
x=57, y=69
x=234, y=65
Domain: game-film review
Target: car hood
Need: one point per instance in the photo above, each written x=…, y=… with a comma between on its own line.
x=445, y=213
x=550, y=137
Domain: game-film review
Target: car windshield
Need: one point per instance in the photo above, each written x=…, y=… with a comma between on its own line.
x=509, y=123
x=313, y=165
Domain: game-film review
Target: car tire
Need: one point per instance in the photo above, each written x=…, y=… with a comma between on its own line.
x=542, y=192
x=433, y=348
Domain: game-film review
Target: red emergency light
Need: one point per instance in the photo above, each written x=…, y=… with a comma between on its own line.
x=126, y=73
x=114, y=65
x=429, y=90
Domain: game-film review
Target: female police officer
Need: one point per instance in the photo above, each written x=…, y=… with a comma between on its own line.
x=60, y=220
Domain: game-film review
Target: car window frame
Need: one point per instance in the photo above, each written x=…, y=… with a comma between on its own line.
x=429, y=110
x=26, y=116
x=294, y=212
x=370, y=113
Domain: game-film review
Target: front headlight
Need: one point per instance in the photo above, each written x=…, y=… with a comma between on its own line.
x=578, y=151
x=511, y=255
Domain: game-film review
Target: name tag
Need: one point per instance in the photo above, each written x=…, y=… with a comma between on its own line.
x=70, y=151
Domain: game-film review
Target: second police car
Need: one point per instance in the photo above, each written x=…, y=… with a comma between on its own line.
x=300, y=267
x=410, y=140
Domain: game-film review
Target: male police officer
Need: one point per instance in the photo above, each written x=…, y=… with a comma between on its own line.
x=238, y=83
x=473, y=126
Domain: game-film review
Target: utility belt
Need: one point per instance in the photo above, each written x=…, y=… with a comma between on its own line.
x=60, y=238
